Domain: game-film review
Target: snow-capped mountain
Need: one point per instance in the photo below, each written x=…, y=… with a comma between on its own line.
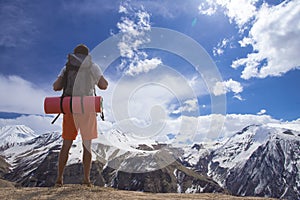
x=26, y=159
x=260, y=160
x=144, y=165
x=13, y=134
x=34, y=163
x=124, y=141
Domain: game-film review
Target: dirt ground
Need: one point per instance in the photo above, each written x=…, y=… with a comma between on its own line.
x=76, y=192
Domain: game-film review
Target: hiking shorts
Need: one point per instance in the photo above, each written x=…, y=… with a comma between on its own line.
x=85, y=123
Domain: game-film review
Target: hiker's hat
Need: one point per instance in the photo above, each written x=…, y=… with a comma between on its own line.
x=82, y=49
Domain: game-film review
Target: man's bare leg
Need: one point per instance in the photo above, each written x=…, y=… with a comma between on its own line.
x=87, y=160
x=63, y=158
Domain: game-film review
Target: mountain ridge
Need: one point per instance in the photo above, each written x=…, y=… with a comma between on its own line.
x=258, y=160
x=12, y=134
x=34, y=163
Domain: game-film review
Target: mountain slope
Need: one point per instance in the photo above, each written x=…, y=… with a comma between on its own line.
x=26, y=160
x=34, y=163
x=272, y=169
x=260, y=160
x=149, y=167
x=14, y=134
x=143, y=167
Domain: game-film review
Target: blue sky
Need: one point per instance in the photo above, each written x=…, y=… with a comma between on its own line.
x=254, y=45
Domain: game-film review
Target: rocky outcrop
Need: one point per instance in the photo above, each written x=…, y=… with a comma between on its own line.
x=4, y=167
x=172, y=178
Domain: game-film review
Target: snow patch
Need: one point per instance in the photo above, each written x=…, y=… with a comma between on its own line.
x=15, y=134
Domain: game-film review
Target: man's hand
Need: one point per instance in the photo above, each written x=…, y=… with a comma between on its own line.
x=58, y=84
x=102, y=83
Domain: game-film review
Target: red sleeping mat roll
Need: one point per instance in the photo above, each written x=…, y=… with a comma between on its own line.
x=78, y=104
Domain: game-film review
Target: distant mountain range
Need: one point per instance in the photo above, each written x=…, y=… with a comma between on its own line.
x=259, y=160
x=10, y=135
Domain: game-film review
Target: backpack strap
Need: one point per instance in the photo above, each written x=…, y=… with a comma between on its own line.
x=71, y=104
x=82, y=107
x=61, y=108
x=55, y=118
x=102, y=115
x=61, y=104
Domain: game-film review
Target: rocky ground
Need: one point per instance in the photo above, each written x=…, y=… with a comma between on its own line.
x=74, y=192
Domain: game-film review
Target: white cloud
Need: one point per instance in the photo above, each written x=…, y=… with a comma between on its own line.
x=151, y=98
x=274, y=37
x=273, y=32
x=219, y=49
x=134, y=97
x=197, y=83
x=228, y=86
x=21, y=96
x=207, y=8
x=239, y=12
x=190, y=105
x=220, y=88
x=143, y=66
x=133, y=37
x=134, y=26
x=245, y=42
x=239, y=97
x=122, y=9
x=261, y=112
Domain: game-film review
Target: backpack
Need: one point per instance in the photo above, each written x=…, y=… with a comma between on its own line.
x=78, y=79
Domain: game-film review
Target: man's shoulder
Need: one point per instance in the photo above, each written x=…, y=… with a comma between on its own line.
x=95, y=65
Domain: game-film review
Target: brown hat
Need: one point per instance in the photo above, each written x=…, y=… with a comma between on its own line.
x=81, y=48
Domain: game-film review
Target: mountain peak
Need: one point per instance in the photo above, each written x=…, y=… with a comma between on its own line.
x=246, y=129
x=11, y=134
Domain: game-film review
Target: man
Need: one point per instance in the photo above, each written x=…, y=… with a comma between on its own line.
x=86, y=123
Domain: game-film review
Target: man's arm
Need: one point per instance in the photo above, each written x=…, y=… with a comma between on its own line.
x=102, y=83
x=58, y=84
